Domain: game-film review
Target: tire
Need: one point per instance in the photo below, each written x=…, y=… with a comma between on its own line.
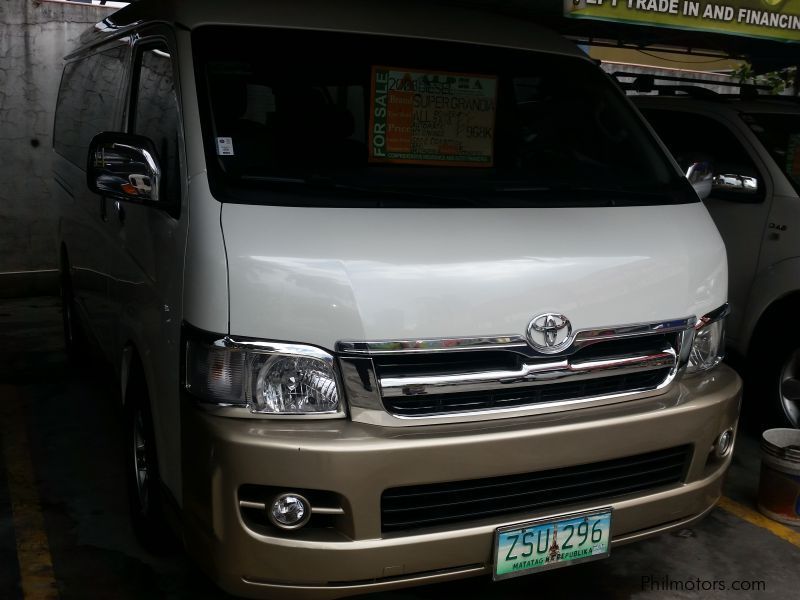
x=777, y=383
x=141, y=471
x=74, y=338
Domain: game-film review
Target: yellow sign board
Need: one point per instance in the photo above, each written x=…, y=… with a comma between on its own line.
x=774, y=19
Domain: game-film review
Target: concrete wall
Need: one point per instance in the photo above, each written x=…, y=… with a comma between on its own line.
x=34, y=37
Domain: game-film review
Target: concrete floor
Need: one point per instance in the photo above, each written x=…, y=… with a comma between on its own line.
x=74, y=445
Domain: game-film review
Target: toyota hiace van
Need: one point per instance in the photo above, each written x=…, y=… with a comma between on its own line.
x=396, y=294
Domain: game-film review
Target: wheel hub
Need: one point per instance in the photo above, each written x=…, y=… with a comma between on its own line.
x=142, y=471
x=790, y=388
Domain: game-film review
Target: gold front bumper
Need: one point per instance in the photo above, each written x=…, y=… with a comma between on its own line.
x=357, y=462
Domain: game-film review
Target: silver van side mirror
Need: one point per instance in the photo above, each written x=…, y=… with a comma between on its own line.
x=701, y=177
x=124, y=167
x=740, y=184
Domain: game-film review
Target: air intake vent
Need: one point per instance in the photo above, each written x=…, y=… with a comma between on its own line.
x=415, y=507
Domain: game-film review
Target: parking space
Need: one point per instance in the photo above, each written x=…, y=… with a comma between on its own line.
x=64, y=527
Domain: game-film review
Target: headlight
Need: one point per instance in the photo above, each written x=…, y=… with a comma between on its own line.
x=263, y=377
x=708, y=348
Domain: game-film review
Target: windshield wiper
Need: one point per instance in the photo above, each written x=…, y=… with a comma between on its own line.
x=487, y=193
x=323, y=183
x=590, y=195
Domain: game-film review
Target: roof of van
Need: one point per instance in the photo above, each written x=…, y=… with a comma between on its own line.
x=411, y=18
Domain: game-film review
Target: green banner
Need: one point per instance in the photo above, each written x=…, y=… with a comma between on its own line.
x=774, y=19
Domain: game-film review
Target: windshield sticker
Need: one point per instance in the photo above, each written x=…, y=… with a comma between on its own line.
x=224, y=146
x=432, y=118
x=793, y=157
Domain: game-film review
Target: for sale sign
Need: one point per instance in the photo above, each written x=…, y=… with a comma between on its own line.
x=432, y=117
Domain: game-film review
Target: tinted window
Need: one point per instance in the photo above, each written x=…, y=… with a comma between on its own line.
x=155, y=113
x=87, y=102
x=692, y=138
x=361, y=116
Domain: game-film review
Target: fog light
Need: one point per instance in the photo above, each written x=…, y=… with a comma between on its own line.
x=724, y=443
x=289, y=511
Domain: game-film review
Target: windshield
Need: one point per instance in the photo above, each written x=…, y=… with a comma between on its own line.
x=780, y=134
x=325, y=118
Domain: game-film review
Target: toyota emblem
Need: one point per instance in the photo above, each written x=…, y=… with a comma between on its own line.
x=549, y=333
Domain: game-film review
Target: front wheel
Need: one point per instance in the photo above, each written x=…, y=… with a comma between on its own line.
x=141, y=468
x=74, y=340
x=789, y=387
x=775, y=388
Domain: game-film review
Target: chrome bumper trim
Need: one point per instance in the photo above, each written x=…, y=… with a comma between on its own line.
x=500, y=342
x=315, y=510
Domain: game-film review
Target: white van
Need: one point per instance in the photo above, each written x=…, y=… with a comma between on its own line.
x=396, y=294
x=753, y=147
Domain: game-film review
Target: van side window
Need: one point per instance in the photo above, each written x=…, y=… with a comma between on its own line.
x=691, y=137
x=155, y=112
x=780, y=135
x=87, y=102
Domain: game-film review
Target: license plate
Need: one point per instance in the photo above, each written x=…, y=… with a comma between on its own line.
x=550, y=543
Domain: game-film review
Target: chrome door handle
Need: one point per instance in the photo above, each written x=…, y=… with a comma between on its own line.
x=120, y=211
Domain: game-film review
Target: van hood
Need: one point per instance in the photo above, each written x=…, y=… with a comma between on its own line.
x=322, y=275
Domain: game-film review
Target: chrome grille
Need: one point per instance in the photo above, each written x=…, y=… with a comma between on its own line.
x=474, y=378
x=436, y=404
x=462, y=382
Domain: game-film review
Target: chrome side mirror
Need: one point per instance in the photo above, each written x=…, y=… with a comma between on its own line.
x=739, y=184
x=701, y=177
x=124, y=167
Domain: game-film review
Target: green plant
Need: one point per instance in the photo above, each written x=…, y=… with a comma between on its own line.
x=777, y=81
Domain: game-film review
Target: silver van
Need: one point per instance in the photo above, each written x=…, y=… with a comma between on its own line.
x=753, y=148
x=396, y=294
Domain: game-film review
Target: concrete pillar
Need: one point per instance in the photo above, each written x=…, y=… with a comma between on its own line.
x=34, y=37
